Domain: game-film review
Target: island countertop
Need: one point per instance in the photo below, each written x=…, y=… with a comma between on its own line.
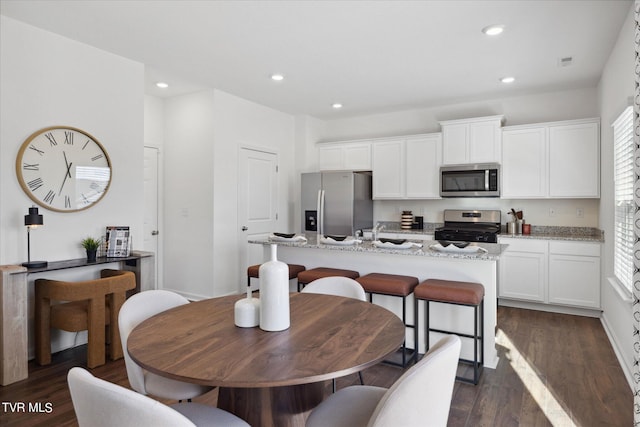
x=493, y=250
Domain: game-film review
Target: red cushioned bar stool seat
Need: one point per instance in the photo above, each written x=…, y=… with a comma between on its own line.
x=254, y=271
x=458, y=293
x=397, y=286
x=308, y=276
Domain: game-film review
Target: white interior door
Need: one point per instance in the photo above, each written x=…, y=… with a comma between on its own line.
x=257, y=204
x=150, y=231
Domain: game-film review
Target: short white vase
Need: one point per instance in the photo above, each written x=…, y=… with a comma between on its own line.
x=247, y=311
x=274, y=294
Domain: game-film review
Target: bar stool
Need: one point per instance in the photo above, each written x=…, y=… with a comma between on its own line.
x=309, y=276
x=466, y=294
x=397, y=286
x=254, y=271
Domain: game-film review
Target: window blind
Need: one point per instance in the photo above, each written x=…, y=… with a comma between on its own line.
x=624, y=205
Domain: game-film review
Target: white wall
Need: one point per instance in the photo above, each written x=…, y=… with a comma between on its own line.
x=615, y=91
x=204, y=132
x=189, y=195
x=241, y=123
x=47, y=80
x=543, y=107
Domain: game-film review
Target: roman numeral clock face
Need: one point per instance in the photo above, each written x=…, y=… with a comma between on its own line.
x=63, y=169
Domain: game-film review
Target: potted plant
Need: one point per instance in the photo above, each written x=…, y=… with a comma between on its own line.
x=91, y=245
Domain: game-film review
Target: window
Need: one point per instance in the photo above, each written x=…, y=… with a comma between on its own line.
x=624, y=205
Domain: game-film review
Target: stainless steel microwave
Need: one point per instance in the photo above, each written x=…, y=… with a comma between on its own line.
x=472, y=180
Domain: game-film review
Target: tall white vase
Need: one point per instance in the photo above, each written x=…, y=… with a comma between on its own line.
x=274, y=294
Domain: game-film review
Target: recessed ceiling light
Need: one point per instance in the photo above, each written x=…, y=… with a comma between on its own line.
x=277, y=77
x=162, y=85
x=508, y=79
x=336, y=105
x=493, y=30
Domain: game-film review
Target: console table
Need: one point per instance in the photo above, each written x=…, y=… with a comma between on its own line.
x=14, y=345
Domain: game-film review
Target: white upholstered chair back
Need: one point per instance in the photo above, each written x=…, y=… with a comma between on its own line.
x=134, y=311
x=99, y=403
x=422, y=395
x=336, y=285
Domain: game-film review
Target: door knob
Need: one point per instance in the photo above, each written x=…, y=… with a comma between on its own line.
x=245, y=228
x=155, y=232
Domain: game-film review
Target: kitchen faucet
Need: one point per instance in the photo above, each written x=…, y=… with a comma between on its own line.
x=374, y=233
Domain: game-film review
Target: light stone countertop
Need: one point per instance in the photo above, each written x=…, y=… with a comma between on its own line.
x=542, y=232
x=493, y=249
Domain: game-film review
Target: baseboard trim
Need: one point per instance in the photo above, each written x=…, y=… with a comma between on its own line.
x=616, y=349
x=576, y=311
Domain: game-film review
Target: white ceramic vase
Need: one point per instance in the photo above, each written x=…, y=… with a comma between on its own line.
x=247, y=311
x=274, y=294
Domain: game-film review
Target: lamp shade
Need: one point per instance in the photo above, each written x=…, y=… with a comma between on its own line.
x=33, y=218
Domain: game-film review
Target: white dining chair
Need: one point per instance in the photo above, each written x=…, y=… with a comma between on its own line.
x=339, y=286
x=336, y=285
x=136, y=309
x=421, y=396
x=99, y=403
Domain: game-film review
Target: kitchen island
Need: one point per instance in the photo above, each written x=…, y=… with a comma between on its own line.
x=421, y=262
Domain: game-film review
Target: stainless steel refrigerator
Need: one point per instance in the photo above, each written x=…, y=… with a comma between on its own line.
x=337, y=203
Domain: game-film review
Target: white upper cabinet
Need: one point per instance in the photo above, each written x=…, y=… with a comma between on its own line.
x=574, y=160
x=407, y=167
x=524, y=162
x=551, y=160
x=423, y=159
x=389, y=169
x=475, y=140
x=344, y=156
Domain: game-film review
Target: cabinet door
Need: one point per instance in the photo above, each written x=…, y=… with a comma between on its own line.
x=523, y=270
x=524, y=160
x=484, y=142
x=388, y=169
x=574, y=160
x=574, y=280
x=330, y=158
x=574, y=273
x=423, y=159
x=455, y=148
x=357, y=157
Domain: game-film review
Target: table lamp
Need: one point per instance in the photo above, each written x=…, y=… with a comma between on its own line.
x=32, y=220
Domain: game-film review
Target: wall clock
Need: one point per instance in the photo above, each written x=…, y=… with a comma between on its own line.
x=63, y=169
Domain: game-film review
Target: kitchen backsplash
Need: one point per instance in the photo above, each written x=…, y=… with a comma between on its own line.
x=540, y=212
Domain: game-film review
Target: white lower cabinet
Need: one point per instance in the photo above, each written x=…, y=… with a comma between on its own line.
x=523, y=270
x=551, y=272
x=574, y=274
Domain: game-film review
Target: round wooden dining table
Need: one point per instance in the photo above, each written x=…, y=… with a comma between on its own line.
x=267, y=378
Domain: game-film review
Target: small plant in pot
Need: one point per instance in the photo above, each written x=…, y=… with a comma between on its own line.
x=91, y=245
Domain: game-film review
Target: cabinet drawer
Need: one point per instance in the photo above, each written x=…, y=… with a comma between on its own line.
x=524, y=245
x=574, y=248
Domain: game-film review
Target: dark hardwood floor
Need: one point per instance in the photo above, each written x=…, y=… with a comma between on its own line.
x=554, y=369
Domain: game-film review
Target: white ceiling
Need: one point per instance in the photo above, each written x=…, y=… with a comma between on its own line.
x=372, y=56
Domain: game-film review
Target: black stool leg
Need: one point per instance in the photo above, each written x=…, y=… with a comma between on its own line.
x=415, y=327
x=427, y=327
x=404, y=343
x=475, y=344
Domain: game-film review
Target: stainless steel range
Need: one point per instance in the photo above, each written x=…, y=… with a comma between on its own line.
x=470, y=226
